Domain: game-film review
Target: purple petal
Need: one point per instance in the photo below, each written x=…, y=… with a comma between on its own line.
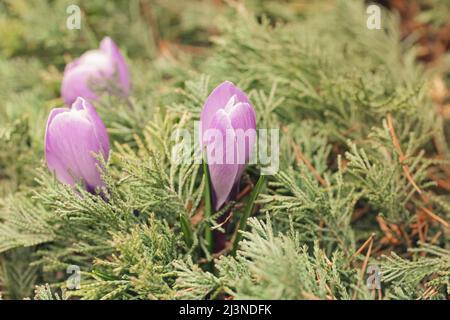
x=97, y=59
x=243, y=120
x=242, y=117
x=52, y=159
x=99, y=128
x=71, y=138
x=223, y=174
x=93, y=66
x=76, y=83
x=218, y=99
x=108, y=46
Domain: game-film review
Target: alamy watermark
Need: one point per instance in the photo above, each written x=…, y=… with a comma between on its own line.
x=374, y=17
x=73, y=21
x=374, y=278
x=228, y=147
x=73, y=282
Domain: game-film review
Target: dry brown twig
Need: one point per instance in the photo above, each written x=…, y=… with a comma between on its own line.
x=301, y=158
x=368, y=242
x=388, y=230
x=407, y=172
x=363, y=246
x=400, y=153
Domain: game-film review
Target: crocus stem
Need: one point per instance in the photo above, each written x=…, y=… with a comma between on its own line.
x=247, y=211
x=208, y=205
x=187, y=230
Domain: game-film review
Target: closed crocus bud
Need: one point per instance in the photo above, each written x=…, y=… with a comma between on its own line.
x=73, y=138
x=101, y=67
x=228, y=130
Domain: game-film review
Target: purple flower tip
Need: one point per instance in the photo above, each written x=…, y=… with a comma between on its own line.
x=228, y=131
x=95, y=67
x=72, y=138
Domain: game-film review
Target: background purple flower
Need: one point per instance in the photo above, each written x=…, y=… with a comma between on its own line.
x=226, y=110
x=71, y=138
x=95, y=66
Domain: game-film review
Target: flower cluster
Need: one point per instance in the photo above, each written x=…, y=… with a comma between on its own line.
x=75, y=138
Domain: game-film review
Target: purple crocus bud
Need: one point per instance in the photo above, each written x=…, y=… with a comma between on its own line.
x=228, y=130
x=72, y=138
x=95, y=67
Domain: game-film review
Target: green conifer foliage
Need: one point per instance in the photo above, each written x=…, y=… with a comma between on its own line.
x=363, y=154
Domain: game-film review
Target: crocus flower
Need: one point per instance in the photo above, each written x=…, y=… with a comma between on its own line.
x=228, y=130
x=72, y=138
x=95, y=68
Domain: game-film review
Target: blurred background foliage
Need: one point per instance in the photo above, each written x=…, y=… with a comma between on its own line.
x=305, y=62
